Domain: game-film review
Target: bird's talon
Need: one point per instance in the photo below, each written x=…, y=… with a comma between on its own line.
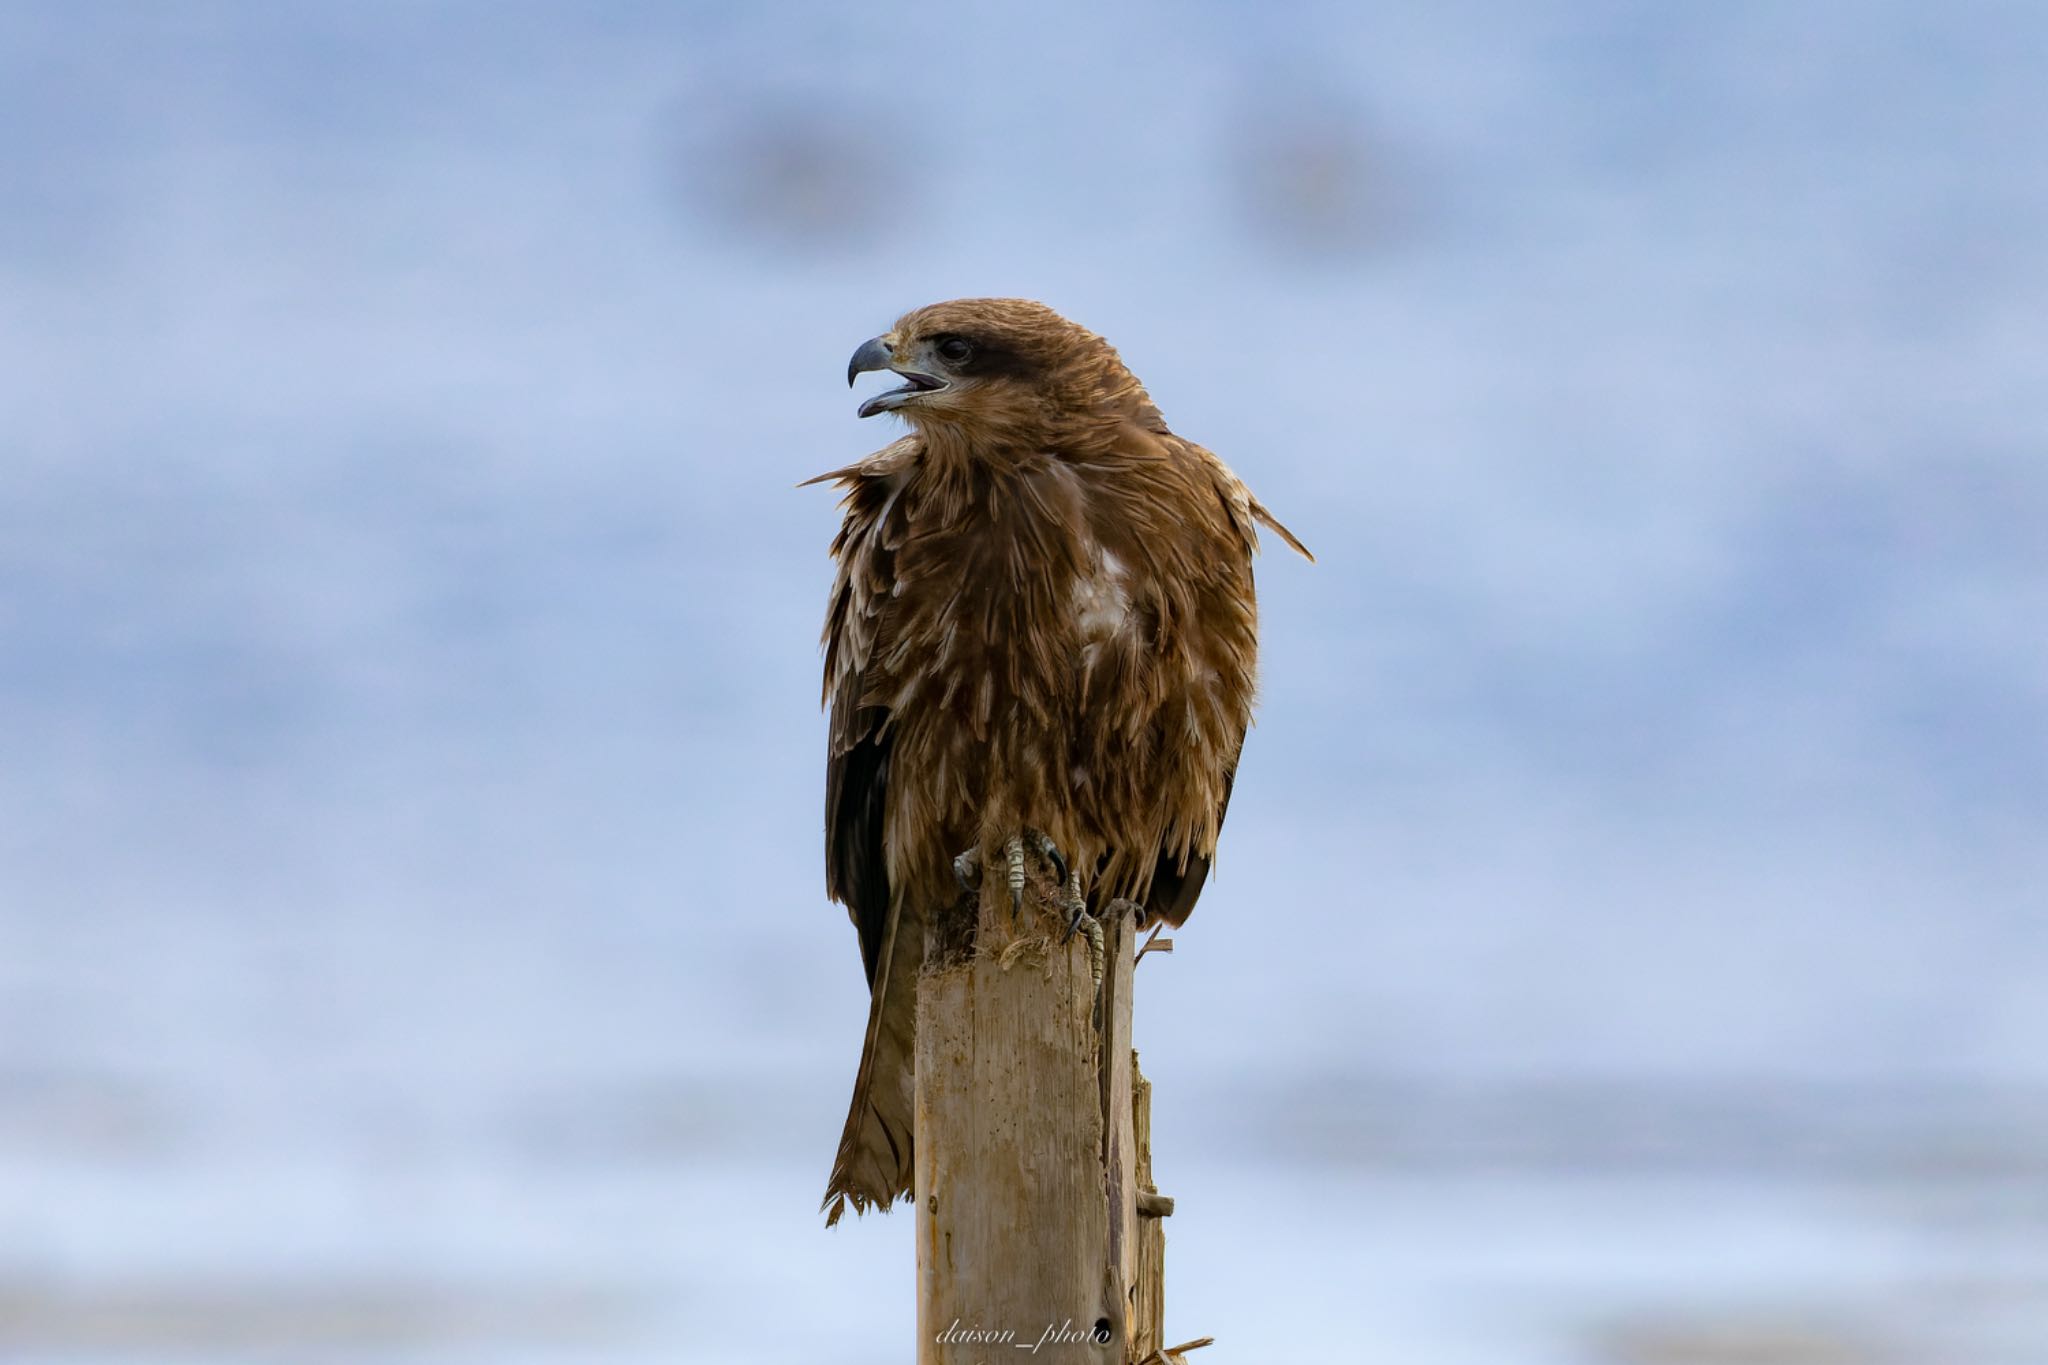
x=1051, y=852
x=1015, y=855
x=967, y=870
x=1013, y=848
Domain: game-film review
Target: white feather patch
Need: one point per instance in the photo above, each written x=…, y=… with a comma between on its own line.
x=1101, y=599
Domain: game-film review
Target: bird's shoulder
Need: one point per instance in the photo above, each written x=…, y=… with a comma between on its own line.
x=1168, y=485
x=866, y=551
x=866, y=484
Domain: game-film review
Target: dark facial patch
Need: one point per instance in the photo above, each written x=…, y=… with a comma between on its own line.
x=990, y=358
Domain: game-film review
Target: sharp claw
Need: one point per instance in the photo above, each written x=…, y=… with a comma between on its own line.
x=967, y=870
x=1052, y=854
x=1014, y=851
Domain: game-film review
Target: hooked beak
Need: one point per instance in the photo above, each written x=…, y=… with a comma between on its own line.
x=876, y=354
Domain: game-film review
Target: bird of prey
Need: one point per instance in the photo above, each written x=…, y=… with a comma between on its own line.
x=1042, y=627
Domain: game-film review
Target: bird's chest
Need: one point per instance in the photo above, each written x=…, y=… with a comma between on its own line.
x=990, y=641
x=1002, y=704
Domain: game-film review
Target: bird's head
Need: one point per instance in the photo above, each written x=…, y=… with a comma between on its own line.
x=999, y=368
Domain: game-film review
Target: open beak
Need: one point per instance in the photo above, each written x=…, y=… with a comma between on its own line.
x=876, y=354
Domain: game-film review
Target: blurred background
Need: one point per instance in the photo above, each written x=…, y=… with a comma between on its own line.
x=1628, y=943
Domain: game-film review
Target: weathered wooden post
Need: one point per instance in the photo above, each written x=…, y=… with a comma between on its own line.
x=1026, y=1179
x=1148, y=1285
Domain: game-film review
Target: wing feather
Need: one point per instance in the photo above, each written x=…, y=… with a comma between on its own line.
x=872, y=1165
x=858, y=743
x=1179, y=876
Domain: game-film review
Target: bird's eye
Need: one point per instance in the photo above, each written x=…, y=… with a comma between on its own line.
x=955, y=350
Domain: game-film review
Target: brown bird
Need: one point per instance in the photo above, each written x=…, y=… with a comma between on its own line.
x=1042, y=631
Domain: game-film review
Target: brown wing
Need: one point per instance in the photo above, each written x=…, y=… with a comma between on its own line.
x=872, y=1165
x=1177, y=884
x=857, y=741
x=1175, y=888
x=856, y=787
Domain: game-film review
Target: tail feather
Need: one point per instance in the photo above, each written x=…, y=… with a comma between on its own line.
x=873, y=1165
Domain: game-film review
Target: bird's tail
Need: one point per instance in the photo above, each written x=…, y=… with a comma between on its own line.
x=873, y=1165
